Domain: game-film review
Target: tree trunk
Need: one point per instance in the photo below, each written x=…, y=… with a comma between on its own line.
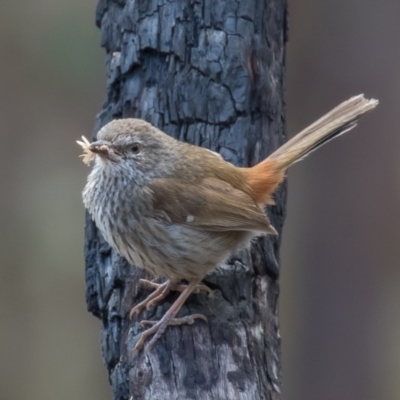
x=209, y=72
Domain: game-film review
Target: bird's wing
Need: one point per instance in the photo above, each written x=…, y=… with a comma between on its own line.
x=208, y=205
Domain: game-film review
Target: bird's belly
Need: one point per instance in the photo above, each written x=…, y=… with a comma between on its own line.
x=185, y=253
x=175, y=251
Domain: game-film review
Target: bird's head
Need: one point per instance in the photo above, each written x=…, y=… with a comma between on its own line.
x=132, y=146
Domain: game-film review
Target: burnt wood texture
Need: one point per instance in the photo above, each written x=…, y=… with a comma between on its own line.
x=209, y=72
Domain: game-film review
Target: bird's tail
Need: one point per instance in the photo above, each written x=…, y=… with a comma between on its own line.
x=264, y=177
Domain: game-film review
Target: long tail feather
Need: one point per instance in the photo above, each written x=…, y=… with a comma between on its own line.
x=264, y=177
x=338, y=121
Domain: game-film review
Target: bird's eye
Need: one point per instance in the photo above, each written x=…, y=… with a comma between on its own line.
x=136, y=147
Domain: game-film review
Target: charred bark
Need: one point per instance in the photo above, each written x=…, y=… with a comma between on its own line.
x=210, y=73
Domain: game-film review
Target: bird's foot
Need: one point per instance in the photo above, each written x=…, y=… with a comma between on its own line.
x=161, y=291
x=158, y=327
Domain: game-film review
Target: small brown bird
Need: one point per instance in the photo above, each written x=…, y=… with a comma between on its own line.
x=178, y=210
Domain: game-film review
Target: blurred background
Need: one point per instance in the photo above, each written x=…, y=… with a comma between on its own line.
x=340, y=286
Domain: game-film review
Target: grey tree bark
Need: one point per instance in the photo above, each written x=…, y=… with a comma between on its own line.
x=209, y=72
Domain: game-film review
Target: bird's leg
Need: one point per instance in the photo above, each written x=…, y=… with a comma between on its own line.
x=198, y=288
x=161, y=291
x=158, y=327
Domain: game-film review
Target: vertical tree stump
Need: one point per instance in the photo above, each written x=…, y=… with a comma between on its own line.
x=210, y=73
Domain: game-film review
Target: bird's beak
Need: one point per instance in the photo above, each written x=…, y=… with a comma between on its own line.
x=102, y=148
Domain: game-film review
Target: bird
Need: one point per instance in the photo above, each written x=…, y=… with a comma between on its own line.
x=178, y=210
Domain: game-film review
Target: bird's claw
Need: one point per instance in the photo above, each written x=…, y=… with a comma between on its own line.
x=158, y=327
x=161, y=291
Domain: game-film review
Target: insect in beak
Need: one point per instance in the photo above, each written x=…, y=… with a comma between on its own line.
x=100, y=147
